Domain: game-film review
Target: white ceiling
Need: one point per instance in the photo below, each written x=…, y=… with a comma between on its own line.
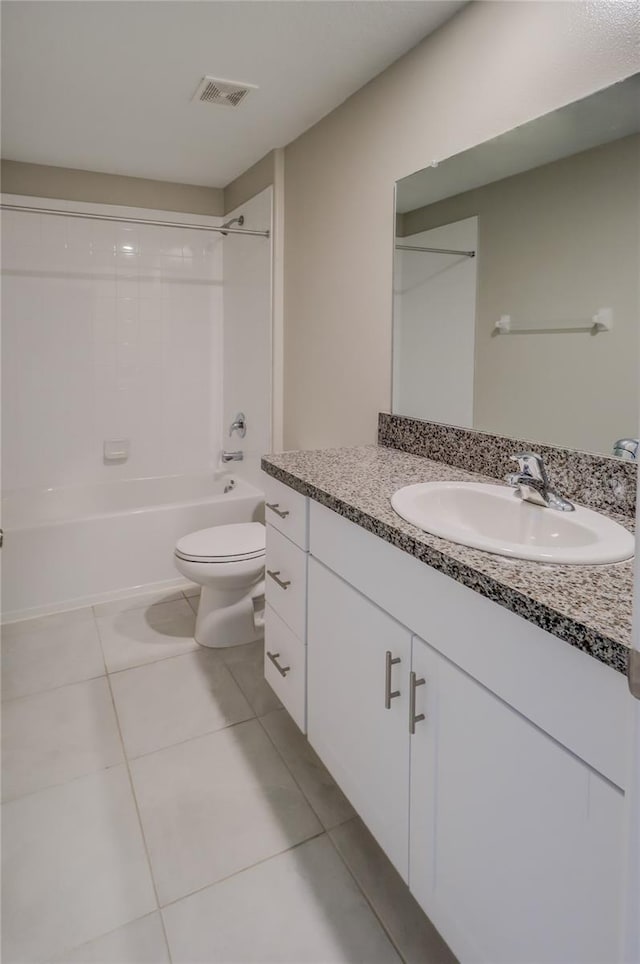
x=107, y=86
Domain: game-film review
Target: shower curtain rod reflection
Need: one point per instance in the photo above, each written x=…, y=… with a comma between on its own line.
x=415, y=247
x=121, y=220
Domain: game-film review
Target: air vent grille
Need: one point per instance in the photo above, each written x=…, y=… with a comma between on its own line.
x=227, y=93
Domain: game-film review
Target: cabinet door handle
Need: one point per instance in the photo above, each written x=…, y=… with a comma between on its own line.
x=275, y=507
x=388, y=663
x=283, y=670
x=283, y=583
x=413, y=719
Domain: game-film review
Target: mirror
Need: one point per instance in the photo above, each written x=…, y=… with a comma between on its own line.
x=516, y=291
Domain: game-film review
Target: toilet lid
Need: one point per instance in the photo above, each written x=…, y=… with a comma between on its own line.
x=230, y=543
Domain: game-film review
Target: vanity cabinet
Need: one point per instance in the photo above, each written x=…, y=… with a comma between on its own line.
x=358, y=663
x=503, y=809
x=287, y=535
x=514, y=843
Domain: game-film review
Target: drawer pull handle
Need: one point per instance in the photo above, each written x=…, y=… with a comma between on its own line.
x=275, y=507
x=389, y=661
x=283, y=583
x=413, y=719
x=283, y=670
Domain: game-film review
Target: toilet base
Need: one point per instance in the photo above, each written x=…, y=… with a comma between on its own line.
x=227, y=618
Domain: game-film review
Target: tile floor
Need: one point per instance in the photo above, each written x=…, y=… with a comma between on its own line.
x=160, y=805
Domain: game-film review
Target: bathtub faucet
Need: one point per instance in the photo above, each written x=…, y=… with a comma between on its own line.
x=239, y=425
x=232, y=456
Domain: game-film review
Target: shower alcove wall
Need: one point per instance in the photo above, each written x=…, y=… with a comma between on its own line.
x=114, y=330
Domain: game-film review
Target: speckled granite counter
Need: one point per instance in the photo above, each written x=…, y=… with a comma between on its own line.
x=587, y=606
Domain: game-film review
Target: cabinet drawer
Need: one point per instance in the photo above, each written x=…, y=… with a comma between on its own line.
x=286, y=581
x=282, y=649
x=287, y=510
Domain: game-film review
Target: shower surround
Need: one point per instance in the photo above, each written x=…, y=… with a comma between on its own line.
x=112, y=331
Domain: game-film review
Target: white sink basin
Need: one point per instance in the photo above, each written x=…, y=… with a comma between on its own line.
x=494, y=518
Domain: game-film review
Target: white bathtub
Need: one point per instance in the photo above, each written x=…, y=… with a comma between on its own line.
x=74, y=546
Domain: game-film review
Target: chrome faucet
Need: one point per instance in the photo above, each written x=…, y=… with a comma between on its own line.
x=239, y=425
x=626, y=448
x=232, y=456
x=532, y=483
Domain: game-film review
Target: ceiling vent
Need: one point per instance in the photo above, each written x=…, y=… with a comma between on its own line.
x=225, y=92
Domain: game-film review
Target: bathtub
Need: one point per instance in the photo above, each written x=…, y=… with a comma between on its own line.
x=74, y=546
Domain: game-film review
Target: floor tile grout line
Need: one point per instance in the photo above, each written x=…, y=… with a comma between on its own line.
x=150, y=662
x=111, y=672
x=144, y=605
x=132, y=759
x=53, y=689
x=189, y=739
x=140, y=824
x=125, y=763
x=290, y=771
x=242, y=690
x=98, y=937
x=297, y=783
x=280, y=853
x=108, y=672
x=244, y=870
x=375, y=913
x=161, y=659
x=327, y=831
x=6, y=628
x=323, y=831
x=64, y=783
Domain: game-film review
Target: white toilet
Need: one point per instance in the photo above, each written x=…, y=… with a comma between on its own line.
x=228, y=562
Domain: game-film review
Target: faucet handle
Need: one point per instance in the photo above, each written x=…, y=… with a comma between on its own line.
x=239, y=425
x=531, y=464
x=626, y=448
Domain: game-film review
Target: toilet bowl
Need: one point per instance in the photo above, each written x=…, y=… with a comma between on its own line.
x=228, y=562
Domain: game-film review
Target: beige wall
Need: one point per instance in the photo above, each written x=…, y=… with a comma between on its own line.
x=250, y=183
x=549, y=252
x=493, y=66
x=39, y=180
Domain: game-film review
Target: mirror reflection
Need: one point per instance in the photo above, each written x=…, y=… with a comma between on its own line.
x=516, y=293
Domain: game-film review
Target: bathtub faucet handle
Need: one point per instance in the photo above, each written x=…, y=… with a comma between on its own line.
x=239, y=425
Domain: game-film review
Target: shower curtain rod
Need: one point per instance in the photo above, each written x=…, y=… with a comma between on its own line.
x=414, y=247
x=152, y=221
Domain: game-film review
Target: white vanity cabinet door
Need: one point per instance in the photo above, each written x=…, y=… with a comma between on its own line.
x=515, y=844
x=364, y=745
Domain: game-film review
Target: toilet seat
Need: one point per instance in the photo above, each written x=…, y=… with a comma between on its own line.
x=238, y=542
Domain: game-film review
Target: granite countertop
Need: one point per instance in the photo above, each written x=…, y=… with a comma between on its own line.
x=587, y=606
